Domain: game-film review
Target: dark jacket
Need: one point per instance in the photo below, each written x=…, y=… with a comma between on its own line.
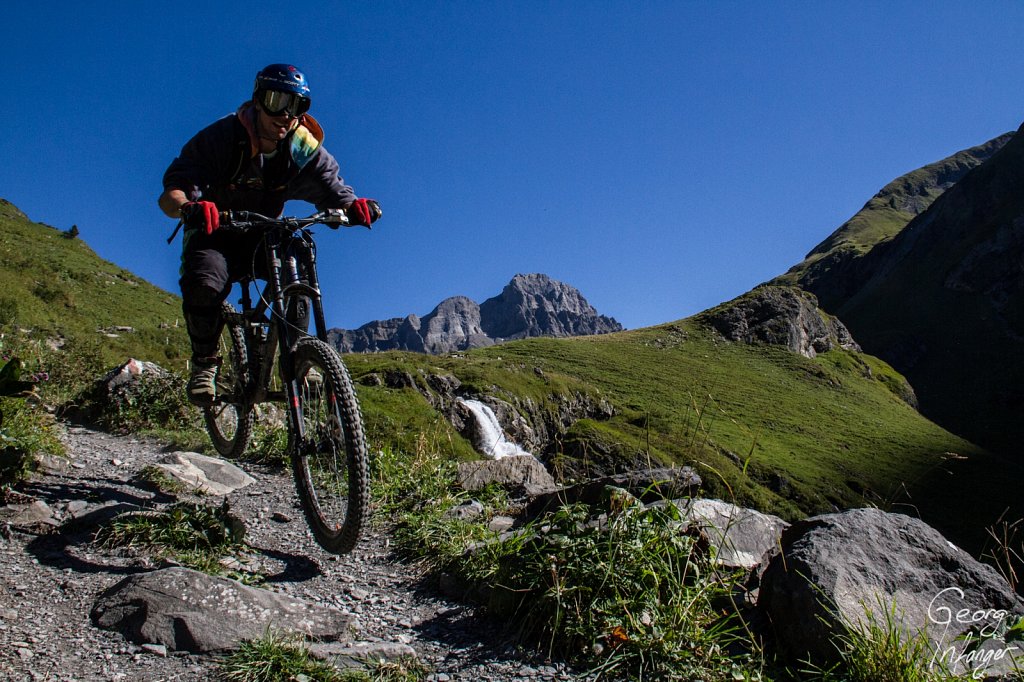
x=222, y=164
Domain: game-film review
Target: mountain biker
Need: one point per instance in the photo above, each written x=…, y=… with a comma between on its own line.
x=266, y=153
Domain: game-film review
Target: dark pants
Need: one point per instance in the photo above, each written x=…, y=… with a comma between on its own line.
x=210, y=265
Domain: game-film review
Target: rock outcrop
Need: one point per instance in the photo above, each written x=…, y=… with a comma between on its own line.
x=530, y=305
x=784, y=316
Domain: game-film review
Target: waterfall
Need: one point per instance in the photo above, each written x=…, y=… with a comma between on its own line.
x=491, y=439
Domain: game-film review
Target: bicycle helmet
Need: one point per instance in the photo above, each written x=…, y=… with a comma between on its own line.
x=281, y=88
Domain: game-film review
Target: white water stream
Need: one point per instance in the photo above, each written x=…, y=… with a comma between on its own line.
x=492, y=441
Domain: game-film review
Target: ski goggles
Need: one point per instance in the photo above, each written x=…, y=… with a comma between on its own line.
x=277, y=103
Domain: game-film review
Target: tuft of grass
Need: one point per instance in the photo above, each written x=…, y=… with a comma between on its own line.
x=879, y=650
x=194, y=535
x=284, y=658
x=276, y=658
x=1005, y=549
x=159, y=479
x=269, y=444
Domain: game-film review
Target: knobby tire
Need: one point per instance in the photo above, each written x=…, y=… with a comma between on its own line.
x=230, y=420
x=330, y=463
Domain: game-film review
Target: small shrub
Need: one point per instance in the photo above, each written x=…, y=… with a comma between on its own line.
x=153, y=402
x=276, y=657
x=194, y=535
x=157, y=478
x=632, y=596
x=25, y=429
x=877, y=650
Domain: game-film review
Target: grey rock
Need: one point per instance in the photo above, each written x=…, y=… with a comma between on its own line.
x=185, y=610
x=210, y=475
x=522, y=474
x=835, y=569
x=52, y=464
x=129, y=373
x=35, y=517
x=500, y=524
x=466, y=511
x=743, y=538
x=356, y=654
x=648, y=485
x=784, y=316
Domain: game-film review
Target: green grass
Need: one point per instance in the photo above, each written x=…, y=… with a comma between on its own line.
x=763, y=426
x=194, y=535
x=283, y=658
x=59, y=289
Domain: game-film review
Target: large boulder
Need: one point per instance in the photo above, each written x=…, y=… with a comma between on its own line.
x=185, y=610
x=845, y=570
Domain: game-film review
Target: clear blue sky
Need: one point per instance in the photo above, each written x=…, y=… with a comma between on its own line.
x=662, y=157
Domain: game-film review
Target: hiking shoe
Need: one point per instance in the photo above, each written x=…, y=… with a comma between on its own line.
x=202, y=385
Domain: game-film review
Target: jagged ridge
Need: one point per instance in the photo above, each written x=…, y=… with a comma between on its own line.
x=528, y=306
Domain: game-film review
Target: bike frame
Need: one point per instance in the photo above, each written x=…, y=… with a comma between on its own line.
x=290, y=255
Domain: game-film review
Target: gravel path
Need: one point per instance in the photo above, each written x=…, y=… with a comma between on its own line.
x=50, y=578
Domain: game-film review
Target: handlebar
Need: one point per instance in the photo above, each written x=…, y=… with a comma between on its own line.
x=244, y=220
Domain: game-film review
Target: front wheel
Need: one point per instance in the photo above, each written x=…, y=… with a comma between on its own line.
x=230, y=419
x=328, y=448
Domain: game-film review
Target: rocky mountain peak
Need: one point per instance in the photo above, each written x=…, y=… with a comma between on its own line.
x=529, y=305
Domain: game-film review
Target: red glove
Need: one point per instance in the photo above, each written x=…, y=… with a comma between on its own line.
x=201, y=215
x=362, y=212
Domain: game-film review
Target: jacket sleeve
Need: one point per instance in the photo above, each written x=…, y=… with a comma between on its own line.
x=320, y=183
x=204, y=161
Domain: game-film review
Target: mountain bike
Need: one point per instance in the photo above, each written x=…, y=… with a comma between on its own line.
x=326, y=443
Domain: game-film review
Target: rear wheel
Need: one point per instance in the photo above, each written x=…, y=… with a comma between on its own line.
x=329, y=458
x=230, y=419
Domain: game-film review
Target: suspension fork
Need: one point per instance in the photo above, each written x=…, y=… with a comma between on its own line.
x=309, y=259
x=280, y=328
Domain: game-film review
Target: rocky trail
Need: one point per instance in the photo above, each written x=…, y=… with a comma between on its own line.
x=51, y=573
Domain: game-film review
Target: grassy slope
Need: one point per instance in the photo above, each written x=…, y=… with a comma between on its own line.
x=765, y=427
x=58, y=287
x=812, y=435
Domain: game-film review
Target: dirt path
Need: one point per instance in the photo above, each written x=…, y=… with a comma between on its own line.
x=49, y=580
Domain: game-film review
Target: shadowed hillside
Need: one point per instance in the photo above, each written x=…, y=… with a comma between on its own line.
x=942, y=296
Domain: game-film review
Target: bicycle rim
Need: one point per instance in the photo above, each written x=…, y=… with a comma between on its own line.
x=229, y=421
x=330, y=460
